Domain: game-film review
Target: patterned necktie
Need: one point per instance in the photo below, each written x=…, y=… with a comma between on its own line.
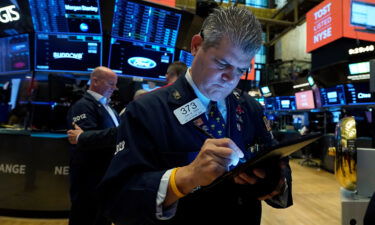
x=216, y=123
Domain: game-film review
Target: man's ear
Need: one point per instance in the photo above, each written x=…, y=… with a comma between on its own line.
x=196, y=43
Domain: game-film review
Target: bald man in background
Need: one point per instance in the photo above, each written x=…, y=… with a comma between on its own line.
x=91, y=155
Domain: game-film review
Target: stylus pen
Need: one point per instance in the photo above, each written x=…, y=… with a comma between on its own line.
x=204, y=132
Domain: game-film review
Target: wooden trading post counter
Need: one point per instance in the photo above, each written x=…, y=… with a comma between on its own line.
x=34, y=169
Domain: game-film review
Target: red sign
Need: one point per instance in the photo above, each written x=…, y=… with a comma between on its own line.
x=251, y=75
x=324, y=24
x=334, y=19
x=171, y=3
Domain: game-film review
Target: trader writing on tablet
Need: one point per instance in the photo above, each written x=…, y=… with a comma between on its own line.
x=163, y=159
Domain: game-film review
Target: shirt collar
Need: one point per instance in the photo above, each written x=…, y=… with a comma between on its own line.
x=98, y=97
x=205, y=101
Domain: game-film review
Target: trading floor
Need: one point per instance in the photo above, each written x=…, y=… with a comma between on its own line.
x=316, y=195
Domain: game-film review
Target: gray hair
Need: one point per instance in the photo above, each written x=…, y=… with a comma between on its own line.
x=236, y=23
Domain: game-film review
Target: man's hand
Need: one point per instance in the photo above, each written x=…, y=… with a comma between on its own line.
x=73, y=134
x=259, y=174
x=214, y=158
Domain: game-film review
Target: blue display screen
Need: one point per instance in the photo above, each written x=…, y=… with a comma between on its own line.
x=66, y=16
x=186, y=57
x=285, y=102
x=146, y=22
x=358, y=94
x=14, y=54
x=363, y=14
x=67, y=53
x=333, y=96
x=140, y=59
x=269, y=103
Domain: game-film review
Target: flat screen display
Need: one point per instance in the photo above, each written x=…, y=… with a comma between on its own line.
x=358, y=94
x=363, y=14
x=359, y=68
x=14, y=54
x=270, y=103
x=285, y=102
x=265, y=91
x=186, y=57
x=305, y=100
x=66, y=16
x=140, y=59
x=333, y=96
x=146, y=22
x=67, y=53
x=14, y=17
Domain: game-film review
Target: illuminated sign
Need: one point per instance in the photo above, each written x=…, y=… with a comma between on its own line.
x=359, y=50
x=334, y=19
x=364, y=95
x=323, y=24
x=141, y=62
x=67, y=55
x=8, y=14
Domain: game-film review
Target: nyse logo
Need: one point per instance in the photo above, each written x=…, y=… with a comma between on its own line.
x=8, y=14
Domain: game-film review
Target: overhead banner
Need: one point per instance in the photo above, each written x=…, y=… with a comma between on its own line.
x=334, y=19
x=323, y=24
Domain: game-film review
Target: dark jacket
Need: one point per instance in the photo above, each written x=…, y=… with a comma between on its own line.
x=95, y=148
x=151, y=141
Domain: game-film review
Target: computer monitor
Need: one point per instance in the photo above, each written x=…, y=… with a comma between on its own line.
x=142, y=21
x=359, y=68
x=139, y=59
x=270, y=103
x=14, y=54
x=358, y=94
x=186, y=57
x=265, y=90
x=363, y=15
x=305, y=100
x=67, y=53
x=285, y=102
x=66, y=16
x=333, y=96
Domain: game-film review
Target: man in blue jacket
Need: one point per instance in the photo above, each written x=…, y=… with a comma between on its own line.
x=177, y=140
x=94, y=150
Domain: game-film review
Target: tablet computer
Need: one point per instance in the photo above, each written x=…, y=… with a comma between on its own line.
x=269, y=153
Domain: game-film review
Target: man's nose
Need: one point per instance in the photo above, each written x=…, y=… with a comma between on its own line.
x=228, y=74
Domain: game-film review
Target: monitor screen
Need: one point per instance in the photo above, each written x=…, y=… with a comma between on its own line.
x=14, y=54
x=146, y=22
x=305, y=100
x=363, y=14
x=269, y=103
x=358, y=94
x=265, y=91
x=359, y=68
x=139, y=59
x=186, y=57
x=285, y=102
x=66, y=16
x=72, y=53
x=333, y=96
x=14, y=17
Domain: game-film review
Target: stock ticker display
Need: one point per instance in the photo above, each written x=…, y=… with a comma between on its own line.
x=14, y=54
x=62, y=52
x=63, y=16
x=144, y=36
x=147, y=23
